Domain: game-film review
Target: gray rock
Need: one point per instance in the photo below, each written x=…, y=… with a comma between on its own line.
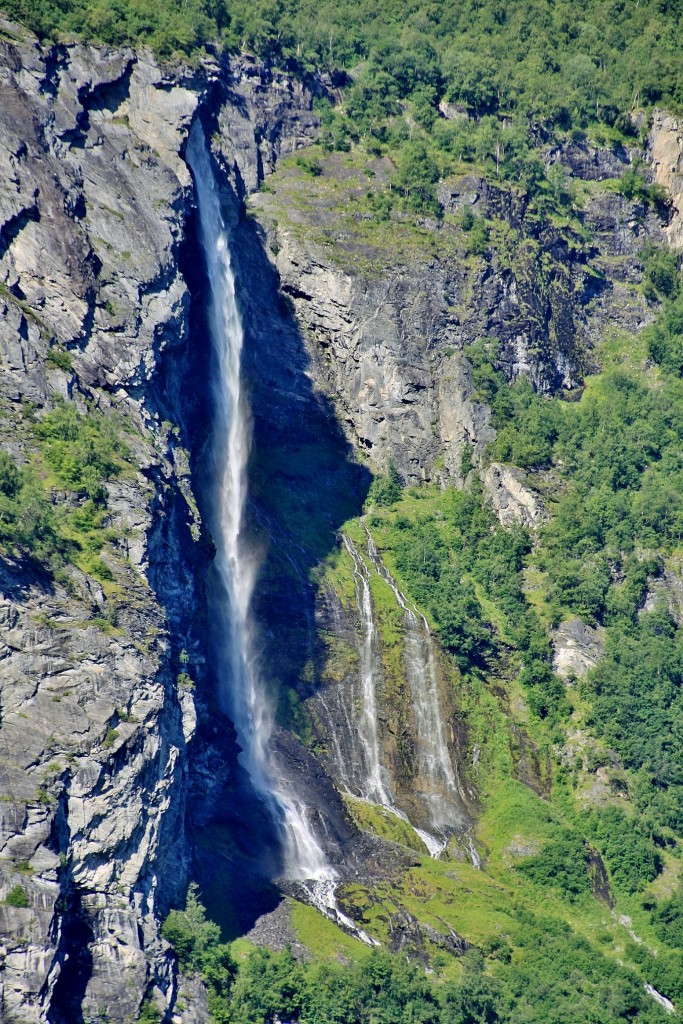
x=577, y=648
x=94, y=200
x=511, y=498
x=665, y=151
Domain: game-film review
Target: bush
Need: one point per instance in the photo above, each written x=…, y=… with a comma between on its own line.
x=17, y=897
x=562, y=864
x=197, y=944
x=385, y=490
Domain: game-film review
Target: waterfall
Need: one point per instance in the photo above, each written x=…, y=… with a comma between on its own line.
x=421, y=673
x=243, y=692
x=444, y=797
x=375, y=786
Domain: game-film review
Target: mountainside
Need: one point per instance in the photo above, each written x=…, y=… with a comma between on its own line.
x=457, y=531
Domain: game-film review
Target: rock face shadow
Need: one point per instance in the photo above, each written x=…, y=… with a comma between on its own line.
x=77, y=965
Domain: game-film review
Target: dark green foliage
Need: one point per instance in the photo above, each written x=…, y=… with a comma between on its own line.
x=619, y=451
x=149, y=1014
x=633, y=185
x=665, y=337
x=28, y=522
x=384, y=989
x=169, y=27
x=565, y=979
x=556, y=67
x=667, y=919
x=561, y=864
x=529, y=443
x=17, y=897
x=617, y=454
x=10, y=477
x=385, y=490
x=637, y=704
x=627, y=847
x=58, y=357
x=416, y=179
x=560, y=977
x=197, y=943
x=662, y=272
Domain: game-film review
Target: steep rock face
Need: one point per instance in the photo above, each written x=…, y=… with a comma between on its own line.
x=94, y=204
x=342, y=736
x=94, y=728
x=386, y=341
x=577, y=649
x=666, y=153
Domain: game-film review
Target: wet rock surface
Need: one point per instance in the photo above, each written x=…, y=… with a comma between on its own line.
x=96, y=211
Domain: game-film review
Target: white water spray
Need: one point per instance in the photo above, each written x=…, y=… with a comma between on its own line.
x=243, y=690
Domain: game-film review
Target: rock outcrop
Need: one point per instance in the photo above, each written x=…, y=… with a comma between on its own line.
x=386, y=331
x=577, y=648
x=511, y=498
x=96, y=667
x=666, y=154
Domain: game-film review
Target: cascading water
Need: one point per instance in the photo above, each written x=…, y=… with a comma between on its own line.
x=243, y=691
x=444, y=797
x=373, y=784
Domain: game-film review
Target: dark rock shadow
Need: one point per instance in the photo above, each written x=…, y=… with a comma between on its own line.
x=75, y=955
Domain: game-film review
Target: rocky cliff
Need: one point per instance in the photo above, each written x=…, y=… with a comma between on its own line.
x=387, y=311
x=94, y=210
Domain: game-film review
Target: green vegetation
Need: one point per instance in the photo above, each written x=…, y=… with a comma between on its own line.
x=75, y=454
x=197, y=944
x=17, y=897
x=562, y=977
x=513, y=75
x=512, y=80
x=562, y=864
x=173, y=26
x=465, y=571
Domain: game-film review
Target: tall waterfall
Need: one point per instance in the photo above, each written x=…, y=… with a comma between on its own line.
x=242, y=689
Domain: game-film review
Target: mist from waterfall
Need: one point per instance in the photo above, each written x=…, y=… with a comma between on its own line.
x=242, y=690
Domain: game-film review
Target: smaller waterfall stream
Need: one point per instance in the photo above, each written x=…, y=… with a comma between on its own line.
x=376, y=787
x=433, y=756
x=373, y=783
